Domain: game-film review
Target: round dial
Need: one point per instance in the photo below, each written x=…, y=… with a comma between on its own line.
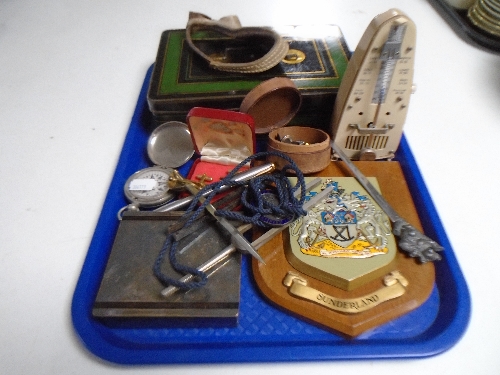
x=149, y=187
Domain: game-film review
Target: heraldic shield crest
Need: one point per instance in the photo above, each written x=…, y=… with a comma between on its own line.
x=345, y=237
x=340, y=226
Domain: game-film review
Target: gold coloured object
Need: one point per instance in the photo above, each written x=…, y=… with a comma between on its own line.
x=485, y=14
x=239, y=177
x=395, y=286
x=294, y=56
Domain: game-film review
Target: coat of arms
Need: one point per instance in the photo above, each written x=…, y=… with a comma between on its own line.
x=343, y=225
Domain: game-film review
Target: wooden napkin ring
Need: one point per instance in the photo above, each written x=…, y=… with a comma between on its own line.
x=312, y=156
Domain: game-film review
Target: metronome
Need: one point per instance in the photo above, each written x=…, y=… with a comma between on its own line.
x=372, y=102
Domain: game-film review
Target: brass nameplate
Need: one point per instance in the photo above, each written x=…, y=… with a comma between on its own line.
x=395, y=286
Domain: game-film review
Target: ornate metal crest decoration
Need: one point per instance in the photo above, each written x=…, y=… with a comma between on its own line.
x=343, y=225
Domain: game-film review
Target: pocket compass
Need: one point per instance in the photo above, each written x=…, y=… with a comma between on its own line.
x=169, y=146
x=372, y=102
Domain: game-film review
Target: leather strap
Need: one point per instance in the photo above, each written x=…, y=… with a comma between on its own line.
x=230, y=26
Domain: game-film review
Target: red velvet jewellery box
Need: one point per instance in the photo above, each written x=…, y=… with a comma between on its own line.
x=222, y=139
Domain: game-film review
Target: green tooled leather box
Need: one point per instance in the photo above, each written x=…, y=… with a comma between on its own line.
x=181, y=79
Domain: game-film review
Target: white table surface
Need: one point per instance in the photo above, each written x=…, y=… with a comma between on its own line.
x=70, y=74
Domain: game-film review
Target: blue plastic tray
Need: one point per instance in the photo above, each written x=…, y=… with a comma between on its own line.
x=264, y=333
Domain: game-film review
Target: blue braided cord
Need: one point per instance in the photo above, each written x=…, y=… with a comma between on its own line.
x=289, y=207
x=170, y=245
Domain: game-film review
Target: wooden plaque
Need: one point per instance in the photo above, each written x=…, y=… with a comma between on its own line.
x=270, y=276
